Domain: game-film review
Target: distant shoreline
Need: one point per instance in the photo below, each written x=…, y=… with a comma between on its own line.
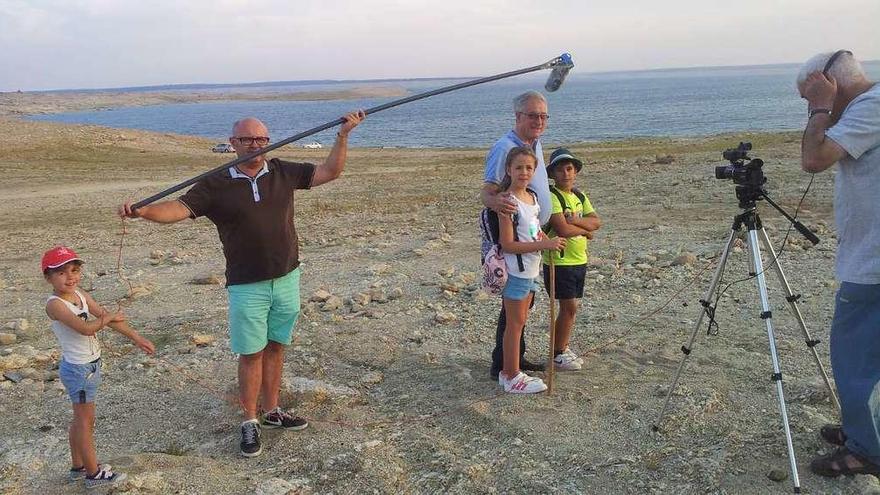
x=28, y=103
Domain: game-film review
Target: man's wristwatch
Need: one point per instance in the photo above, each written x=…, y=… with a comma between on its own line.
x=816, y=111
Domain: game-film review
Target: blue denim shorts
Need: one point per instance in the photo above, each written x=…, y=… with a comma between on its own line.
x=81, y=380
x=518, y=288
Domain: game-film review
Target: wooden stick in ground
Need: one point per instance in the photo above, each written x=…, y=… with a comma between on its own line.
x=552, y=291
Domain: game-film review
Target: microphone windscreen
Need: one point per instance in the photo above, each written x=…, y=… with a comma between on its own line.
x=557, y=76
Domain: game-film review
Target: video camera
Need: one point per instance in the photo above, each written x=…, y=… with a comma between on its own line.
x=742, y=169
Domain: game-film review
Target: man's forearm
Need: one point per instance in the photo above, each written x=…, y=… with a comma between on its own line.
x=335, y=162
x=488, y=194
x=164, y=212
x=816, y=153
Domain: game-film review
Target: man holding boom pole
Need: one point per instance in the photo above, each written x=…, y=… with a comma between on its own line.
x=252, y=206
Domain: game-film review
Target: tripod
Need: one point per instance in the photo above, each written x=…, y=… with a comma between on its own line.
x=749, y=218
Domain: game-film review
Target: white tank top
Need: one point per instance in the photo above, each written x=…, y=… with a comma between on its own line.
x=76, y=348
x=527, y=228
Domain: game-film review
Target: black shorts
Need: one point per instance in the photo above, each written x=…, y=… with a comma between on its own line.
x=569, y=281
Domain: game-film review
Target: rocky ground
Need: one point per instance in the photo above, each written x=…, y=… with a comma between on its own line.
x=390, y=362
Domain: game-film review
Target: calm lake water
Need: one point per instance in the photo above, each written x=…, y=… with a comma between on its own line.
x=588, y=107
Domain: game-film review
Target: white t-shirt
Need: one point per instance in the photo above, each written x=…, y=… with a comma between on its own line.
x=76, y=348
x=527, y=228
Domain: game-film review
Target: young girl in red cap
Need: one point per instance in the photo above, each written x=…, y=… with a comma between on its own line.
x=69, y=308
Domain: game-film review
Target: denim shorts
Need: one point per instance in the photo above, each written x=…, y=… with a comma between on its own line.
x=80, y=380
x=263, y=311
x=518, y=288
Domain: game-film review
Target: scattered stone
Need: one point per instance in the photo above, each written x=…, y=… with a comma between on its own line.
x=684, y=258
x=18, y=326
x=361, y=298
x=202, y=339
x=149, y=483
x=7, y=338
x=777, y=475
x=332, y=303
x=138, y=292
x=276, y=486
x=13, y=362
x=320, y=295
x=447, y=272
x=378, y=295
x=372, y=377
x=445, y=317
x=209, y=280
x=13, y=376
x=450, y=287
x=305, y=388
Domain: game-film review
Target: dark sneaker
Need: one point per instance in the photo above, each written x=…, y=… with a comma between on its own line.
x=76, y=474
x=104, y=478
x=279, y=418
x=250, y=439
x=526, y=365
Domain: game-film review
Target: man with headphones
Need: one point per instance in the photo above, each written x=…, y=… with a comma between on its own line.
x=844, y=128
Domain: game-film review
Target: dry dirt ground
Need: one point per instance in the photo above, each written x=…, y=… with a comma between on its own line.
x=393, y=369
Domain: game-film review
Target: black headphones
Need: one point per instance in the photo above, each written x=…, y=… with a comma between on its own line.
x=832, y=59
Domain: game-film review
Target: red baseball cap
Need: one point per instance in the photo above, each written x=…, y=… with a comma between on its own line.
x=58, y=256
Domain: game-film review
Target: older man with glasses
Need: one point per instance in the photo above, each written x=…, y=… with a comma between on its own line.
x=252, y=206
x=530, y=112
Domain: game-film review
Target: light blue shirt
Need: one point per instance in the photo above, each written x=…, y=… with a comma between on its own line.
x=857, y=189
x=539, y=183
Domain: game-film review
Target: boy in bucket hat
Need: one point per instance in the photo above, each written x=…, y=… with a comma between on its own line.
x=573, y=217
x=80, y=367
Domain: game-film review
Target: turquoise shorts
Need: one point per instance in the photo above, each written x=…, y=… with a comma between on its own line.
x=263, y=311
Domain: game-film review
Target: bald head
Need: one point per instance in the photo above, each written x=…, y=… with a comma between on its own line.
x=248, y=136
x=249, y=126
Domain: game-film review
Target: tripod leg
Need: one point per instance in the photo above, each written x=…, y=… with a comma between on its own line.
x=777, y=374
x=705, y=301
x=792, y=303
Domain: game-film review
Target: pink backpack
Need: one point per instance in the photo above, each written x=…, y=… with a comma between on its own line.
x=494, y=271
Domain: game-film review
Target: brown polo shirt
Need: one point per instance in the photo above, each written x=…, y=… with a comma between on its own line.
x=254, y=218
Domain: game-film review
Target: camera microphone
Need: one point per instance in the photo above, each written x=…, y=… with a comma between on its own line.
x=559, y=73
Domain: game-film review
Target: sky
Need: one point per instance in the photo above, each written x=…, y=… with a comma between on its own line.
x=66, y=44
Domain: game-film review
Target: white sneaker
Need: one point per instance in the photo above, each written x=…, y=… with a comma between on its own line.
x=521, y=384
x=567, y=362
x=573, y=356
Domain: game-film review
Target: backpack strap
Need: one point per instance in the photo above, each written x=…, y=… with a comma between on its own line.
x=580, y=196
x=519, y=261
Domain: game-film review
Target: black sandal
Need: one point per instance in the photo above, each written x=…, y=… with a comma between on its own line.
x=841, y=462
x=833, y=434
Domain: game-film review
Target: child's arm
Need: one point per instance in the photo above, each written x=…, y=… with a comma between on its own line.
x=564, y=229
x=505, y=232
x=589, y=222
x=120, y=325
x=58, y=311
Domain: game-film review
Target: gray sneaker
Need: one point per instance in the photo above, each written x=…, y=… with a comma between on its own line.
x=250, y=445
x=76, y=474
x=104, y=478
